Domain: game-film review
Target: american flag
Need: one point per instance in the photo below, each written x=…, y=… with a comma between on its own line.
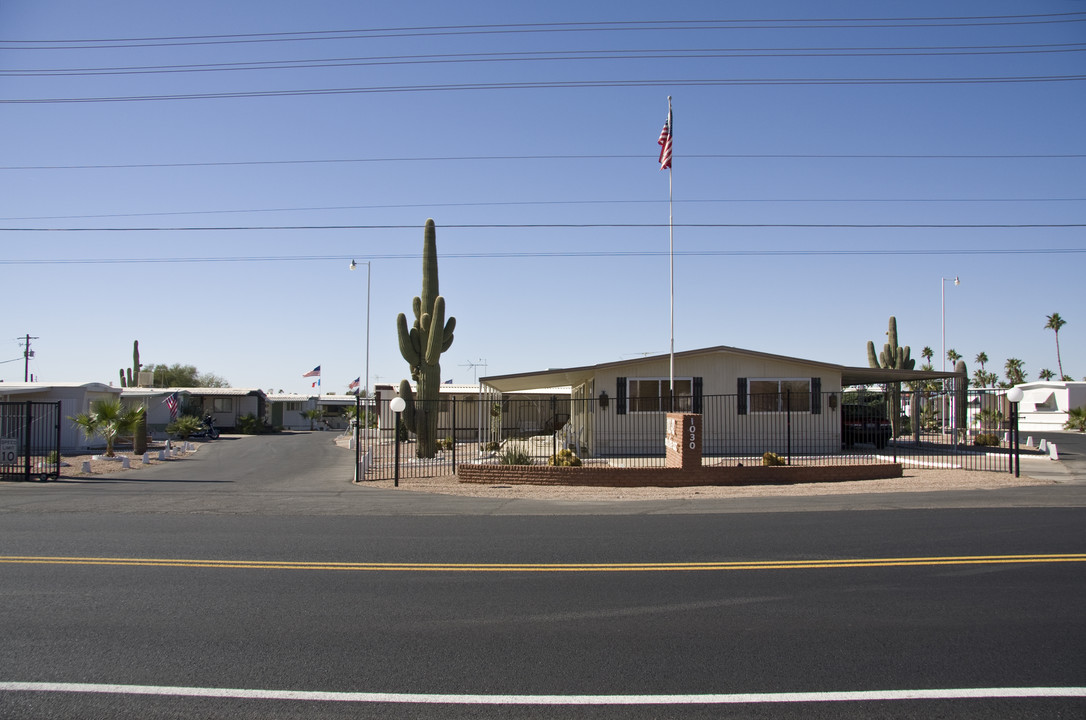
x=665, y=143
x=354, y=383
x=172, y=404
x=315, y=372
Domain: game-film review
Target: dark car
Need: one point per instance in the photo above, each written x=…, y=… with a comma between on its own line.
x=864, y=424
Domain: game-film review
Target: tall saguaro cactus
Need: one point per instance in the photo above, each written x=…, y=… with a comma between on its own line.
x=131, y=378
x=421, y=347
x=892, y=357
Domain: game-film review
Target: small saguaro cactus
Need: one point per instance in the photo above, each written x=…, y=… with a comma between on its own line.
x=130, y=376
x=892, y=357
x=421, y=347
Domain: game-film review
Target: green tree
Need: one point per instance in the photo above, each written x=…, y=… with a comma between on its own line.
x=312, y=415
x=927, y=353
x=981, y=358
x=108, y=418
x=178, y=375
x=953, y=356
x=1055, y=322
x=1014, y=369
x=1046, y=374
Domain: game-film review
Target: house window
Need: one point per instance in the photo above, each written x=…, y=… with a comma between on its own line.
x=779, y=394
x=222, y=405
x=651, y=394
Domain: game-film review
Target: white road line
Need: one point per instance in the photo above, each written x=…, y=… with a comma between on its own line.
x=448, y=699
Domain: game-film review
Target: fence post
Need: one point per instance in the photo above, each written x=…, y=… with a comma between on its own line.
x=454, y=434
x=788, y=424
x=29, y=428
x=554, y=426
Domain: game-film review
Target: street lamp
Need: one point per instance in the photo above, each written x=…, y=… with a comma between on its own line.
x=355, y=265
x=359, y=421
x=1014, y=396
x=942, y=288
x=397, y=406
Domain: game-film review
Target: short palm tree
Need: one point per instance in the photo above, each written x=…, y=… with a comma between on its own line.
x=1076, y=419
x=1055, y=322
x=312, y=415
x=108, y=418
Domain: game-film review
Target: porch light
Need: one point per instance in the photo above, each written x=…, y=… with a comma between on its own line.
x=604, y=400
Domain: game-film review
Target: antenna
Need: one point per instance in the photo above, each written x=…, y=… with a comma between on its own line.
x=27, y=354
x=473, y=366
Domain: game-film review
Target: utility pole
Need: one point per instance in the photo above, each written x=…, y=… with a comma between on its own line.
x=27, y=354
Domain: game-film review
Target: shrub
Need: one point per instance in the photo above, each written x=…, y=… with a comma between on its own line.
x=772, y=459
x=184, y=426
x=252, y=425
x=986, y=440
x=53, y=457
x=515, y=457
x=446, y=444
x=1076, y=419
x=492, y=446
x=564, y=458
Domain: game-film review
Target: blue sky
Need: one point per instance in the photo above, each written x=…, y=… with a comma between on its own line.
x=802, y=132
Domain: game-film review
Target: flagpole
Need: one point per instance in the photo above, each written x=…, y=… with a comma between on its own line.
x=671, y=260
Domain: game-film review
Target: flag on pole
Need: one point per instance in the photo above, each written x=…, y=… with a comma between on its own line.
x=354, y=384
x=665, y=142
x=317, y=383
x=172, y=403
x=315, y=372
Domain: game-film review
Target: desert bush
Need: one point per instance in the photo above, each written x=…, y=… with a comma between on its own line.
x=252, y=425
x=986, y=440
x=772, y=459
x=564, y=458
x=513, y=456
x=184, y=426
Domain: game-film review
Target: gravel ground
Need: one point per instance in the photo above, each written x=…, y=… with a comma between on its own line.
x=72, y=465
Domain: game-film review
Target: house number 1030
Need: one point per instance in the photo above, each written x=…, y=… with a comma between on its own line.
x=693, y=436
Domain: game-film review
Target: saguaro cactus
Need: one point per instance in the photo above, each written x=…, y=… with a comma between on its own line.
x=892, y=357
x=421, y=347
x=131, y=377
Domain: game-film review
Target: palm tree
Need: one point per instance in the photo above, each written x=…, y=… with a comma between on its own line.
x=927, y=353
x=953, y=356
x=1015, y=371
x=981, y=358
x=1046, y=374
x=1076, y=419
x=108, y=418
x=1055, y=322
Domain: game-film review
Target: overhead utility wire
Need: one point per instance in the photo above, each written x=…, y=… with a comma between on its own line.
x=551, y=85
x=554, y=56
x=529, y=203
x=537, y=226
x=460, y=158
x=551, y=254
x=520, y=28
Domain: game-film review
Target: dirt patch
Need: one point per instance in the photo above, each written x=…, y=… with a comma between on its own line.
x=71, y=466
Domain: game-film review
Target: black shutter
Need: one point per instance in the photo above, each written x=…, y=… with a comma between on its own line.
x=695, y=401
x=816, y=396
x=741, y=396
x=620, y=397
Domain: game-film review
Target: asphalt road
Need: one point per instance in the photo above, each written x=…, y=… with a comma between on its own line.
x=112, y=608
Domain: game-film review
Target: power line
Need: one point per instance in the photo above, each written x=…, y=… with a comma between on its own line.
x=595, y=156
x=557, y=55
x=553, y=254
x=529, y=203
x=565, y=27
x=554, y=226
x=551, y=85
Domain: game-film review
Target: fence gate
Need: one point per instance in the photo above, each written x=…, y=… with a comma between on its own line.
x=29, y=440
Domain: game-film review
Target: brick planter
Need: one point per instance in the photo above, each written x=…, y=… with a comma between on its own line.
x=672, y=477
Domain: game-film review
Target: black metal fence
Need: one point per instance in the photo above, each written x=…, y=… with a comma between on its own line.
x=934, y=430
x=29, y=440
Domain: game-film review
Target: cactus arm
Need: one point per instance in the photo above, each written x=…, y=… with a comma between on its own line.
x=408, y=349
x=416, y=307
x=121, y=371
x=872, y=358
x=434, y=338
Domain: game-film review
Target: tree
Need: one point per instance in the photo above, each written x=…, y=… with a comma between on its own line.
x=178, y=375
x=1014, y=369
x=312, y=415
x=953, y=356
x=1046, y=374
x=1076, y=419
x=108, y=418
x=981, y=358
x=927, y=353
x=1055, y=322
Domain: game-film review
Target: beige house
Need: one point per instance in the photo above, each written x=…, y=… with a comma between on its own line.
x=759, y=400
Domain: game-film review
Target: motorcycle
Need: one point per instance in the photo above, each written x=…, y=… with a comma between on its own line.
x=209, y=430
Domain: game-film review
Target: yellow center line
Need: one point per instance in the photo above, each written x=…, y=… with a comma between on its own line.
x=549, y=567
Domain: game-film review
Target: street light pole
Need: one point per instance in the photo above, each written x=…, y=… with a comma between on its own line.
x=361, y=414
x=942, y=289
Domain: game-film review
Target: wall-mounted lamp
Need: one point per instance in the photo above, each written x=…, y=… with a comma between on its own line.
x=604, y=400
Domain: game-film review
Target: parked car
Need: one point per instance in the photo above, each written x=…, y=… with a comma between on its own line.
x=864, y=424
